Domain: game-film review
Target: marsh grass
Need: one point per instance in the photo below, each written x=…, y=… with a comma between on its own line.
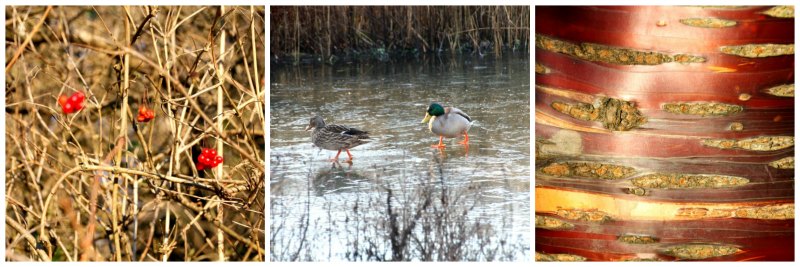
x=97, y=185
x=337, y=33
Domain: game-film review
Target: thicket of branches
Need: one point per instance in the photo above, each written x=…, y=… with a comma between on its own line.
x=100, y=185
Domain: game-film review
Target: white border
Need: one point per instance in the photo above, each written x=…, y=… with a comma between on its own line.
x=374, y=2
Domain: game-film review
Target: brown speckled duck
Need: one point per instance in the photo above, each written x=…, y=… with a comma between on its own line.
x=336, y=137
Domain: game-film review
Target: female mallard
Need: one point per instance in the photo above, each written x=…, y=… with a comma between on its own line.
x=447, y=122
x=336, y=137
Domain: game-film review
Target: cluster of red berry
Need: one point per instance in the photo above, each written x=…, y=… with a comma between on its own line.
x=208, y=159
x=72, y=103
x=145, y=114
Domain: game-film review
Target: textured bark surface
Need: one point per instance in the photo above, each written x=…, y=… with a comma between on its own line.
x=703, y=169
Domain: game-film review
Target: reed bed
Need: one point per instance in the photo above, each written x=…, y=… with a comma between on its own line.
x=100, y=184
x=333, y=33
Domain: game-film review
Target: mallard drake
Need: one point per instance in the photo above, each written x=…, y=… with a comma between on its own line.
x=447, y=122
x=336, y=137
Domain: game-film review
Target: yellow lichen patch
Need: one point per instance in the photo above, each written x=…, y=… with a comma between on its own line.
x=758, y=50
x=692, y=213
x=700, y=251
x=761, y=143
x=581, y=111
x=550, y=223
x=588, y=170
x=541, y=69
x=736, y=127
x=744, y=96
x=609, y=54
x=708, y=22
x=702, y=108
x=784, y=163
x=687, y=181
x=785, y=90
x=771, y=212
x=684, y=58
x=637, y=239
x=704, y=213
x=637, y=191
x=584, y=215
x=615, y=114
x=780, y=12
x=558, y=257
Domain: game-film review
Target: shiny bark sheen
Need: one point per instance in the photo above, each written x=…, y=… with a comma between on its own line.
x=664, y=133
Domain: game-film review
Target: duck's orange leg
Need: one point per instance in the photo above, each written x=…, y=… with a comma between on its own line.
x=336, y=158
x=440, y=145
x=350, y=157
x=466, y=139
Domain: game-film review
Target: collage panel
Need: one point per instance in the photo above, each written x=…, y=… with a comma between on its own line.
x=400, y=133
x=664, y=133
x=135, y=133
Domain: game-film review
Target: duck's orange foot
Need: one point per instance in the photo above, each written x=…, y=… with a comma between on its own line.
x=440, y=145
x=466, y=139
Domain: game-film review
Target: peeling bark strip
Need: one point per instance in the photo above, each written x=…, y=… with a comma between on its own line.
x=780, y=12
x=704, y=109
x=637, y=239
x=761, y=143
x=758, y=50
x=612, y=55
x=584, y=215
x=708, y=22
x=588, y=170
x=615, y=114
x=770, y=212
x=681, y=181
x=785, y=90
x=700, y=251
x=550, y=223
x=784, y=163
x=558, y=257
x=541, y=69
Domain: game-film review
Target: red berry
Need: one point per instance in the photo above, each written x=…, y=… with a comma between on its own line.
x=151, y=114
x=212, y=152
x=202, y=158
x=200, y=166
x=205, y=151
x=62, y=100
x=67, y=108
x=74, y=99
x=140, y=118
x=80, y=96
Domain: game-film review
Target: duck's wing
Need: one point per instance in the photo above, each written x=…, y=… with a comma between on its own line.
x=456, y=111
x=346, y=131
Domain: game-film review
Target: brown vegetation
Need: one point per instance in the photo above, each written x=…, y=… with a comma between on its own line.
x=100, y=185
x=334, y=31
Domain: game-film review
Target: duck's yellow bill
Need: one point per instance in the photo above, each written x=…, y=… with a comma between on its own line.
x=427, y=118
